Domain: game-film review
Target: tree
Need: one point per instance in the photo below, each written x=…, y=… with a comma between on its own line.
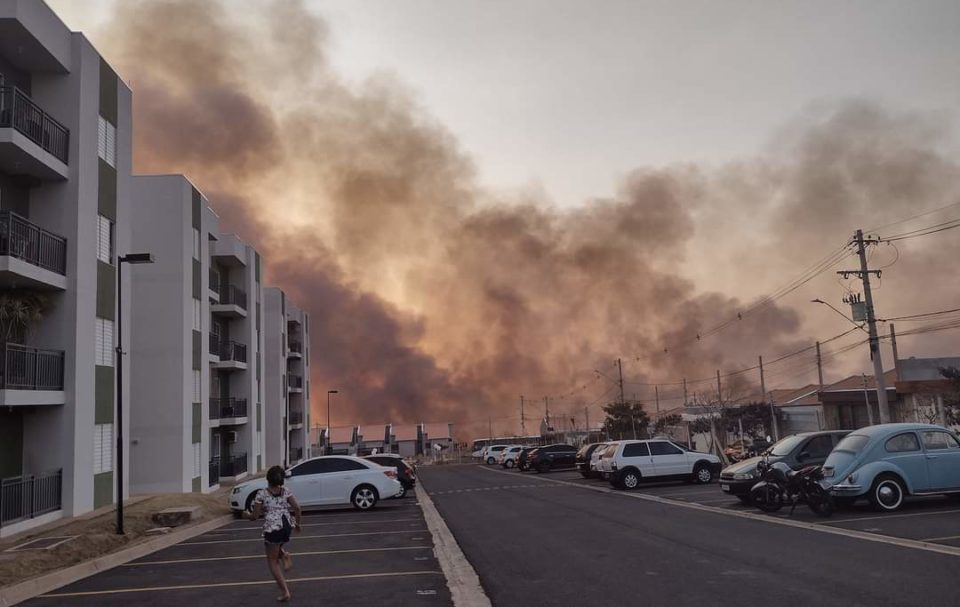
x=755, y=418
x=666, y=421
x=625, y=420
x=951, y=401
x=20, y=309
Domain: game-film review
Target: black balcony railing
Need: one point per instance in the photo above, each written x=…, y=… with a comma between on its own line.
x=29, y=496
x=296, y=346
x=232, y=295
x=295, y=382
x=18, y=111
x=231, y=350
x=224, y=408
x=296, y=418
x=26, y=368
x=214, y=342
x=21, y=239
x=296, y=454
x=214, y=471
x=214, y=281
x=233, y=465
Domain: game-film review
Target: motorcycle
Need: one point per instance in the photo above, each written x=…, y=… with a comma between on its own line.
x=781, y=485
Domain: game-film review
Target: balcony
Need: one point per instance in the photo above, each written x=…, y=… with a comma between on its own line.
x=295, y=383
x=228, y=354
x=232, y=302
x=296, y=455
x=228, y=411
x=229, y=250
x=31, y=376
x=32, y=143
x=214, y=285
x=233, y=465
x=213, y=471
x=30, y=257
x=295, y=349
x=29, y=496
x=296, y=418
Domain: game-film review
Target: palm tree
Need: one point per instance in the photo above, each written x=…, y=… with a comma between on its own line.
x=20, y=310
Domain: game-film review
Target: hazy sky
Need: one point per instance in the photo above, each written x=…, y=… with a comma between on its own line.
x=568, y=96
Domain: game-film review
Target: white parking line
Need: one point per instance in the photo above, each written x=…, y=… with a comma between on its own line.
x=260, y=556
x=852, y=533
x=941, y=539
x=887, y=516
x=301, y=537
x=322, y=578
x=373, y=522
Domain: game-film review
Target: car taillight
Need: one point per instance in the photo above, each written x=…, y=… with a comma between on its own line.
x=391, y=473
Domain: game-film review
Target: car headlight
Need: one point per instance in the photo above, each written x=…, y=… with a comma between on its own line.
x=236, y=490
x=745, y=476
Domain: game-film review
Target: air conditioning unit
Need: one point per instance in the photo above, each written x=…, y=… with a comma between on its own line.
x=232, y=437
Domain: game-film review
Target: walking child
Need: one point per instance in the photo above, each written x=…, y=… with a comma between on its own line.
x=275, y=504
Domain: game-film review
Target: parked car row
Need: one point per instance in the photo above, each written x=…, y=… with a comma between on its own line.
x=883, y=464
x=337, y=479
x=625, y=464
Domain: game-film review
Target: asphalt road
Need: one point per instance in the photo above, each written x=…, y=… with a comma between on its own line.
x=382, y=557
x=534, y=542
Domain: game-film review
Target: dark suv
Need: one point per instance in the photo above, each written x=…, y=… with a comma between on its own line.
x=523, y=456
x=551, y=457
x=797, y=451
x=406, y=472
x=583, y=458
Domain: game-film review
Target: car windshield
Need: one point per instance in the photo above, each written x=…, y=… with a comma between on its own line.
x=853, y=443
x=785, y=446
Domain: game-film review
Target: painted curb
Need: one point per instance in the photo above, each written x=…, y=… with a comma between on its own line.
x=462, y=579
x=35, y=587
x=820, y=527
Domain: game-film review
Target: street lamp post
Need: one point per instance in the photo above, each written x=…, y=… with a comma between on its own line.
x=132, y=258
x=329, y=392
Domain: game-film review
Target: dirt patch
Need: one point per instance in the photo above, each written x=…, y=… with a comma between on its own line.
x=97, y=535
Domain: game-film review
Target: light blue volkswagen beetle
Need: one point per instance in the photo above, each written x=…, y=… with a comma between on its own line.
x=888, y=462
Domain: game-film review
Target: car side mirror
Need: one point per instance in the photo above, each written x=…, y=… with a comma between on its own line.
x=804, y=455
x=288, y=473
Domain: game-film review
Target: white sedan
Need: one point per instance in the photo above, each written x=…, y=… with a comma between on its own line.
x=328, y=481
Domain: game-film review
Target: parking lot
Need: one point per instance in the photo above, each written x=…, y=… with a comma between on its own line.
x=380, y=557
x=934, y=520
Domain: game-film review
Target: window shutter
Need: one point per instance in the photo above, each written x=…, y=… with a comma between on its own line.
x=102, y=138
x=104, y=239
x=104, y=342
x=196, y=243
x=196, y=386
x=196, y=314
x=196, y=459
x=102, y=448
x=111, y=145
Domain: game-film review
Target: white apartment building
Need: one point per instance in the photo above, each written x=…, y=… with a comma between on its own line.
x=197, y=410
x=287, y=330
x=65, y=156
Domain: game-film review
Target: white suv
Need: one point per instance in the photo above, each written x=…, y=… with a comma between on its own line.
x=508, y=457
x=491, y=453
x=636, y=460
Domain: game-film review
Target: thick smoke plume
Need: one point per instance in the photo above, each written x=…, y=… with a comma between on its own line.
x=432, y=299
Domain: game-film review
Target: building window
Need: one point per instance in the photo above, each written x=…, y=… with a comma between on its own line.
x=104, y=239
x=102, y=448
x=196, y=386
x=104, y=355
x=196, y=460
x=196, y=244
x=107, y=141
x=196, y=314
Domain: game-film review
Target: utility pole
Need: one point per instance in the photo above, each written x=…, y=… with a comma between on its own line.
x=819, y=367
x=523, y=420
x=864, y=274
x=866, y=399
x=719, y=392
x=684, y=392
x=656, y=391
x=773, y=413
x=896, y=354
x=586, y=414
x=546, y=410
x=620, y=369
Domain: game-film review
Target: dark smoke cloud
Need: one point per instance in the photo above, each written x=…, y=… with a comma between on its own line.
x=432, y=300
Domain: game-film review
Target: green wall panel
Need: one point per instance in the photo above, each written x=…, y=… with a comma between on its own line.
x=102, y=489
x=197, y=412
x=197, y=284
x=104, y=389
x=197, y=208
x=196, y=485
x=106, y=291
x=107, y=190
x=197, y=351
x=108, y=93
